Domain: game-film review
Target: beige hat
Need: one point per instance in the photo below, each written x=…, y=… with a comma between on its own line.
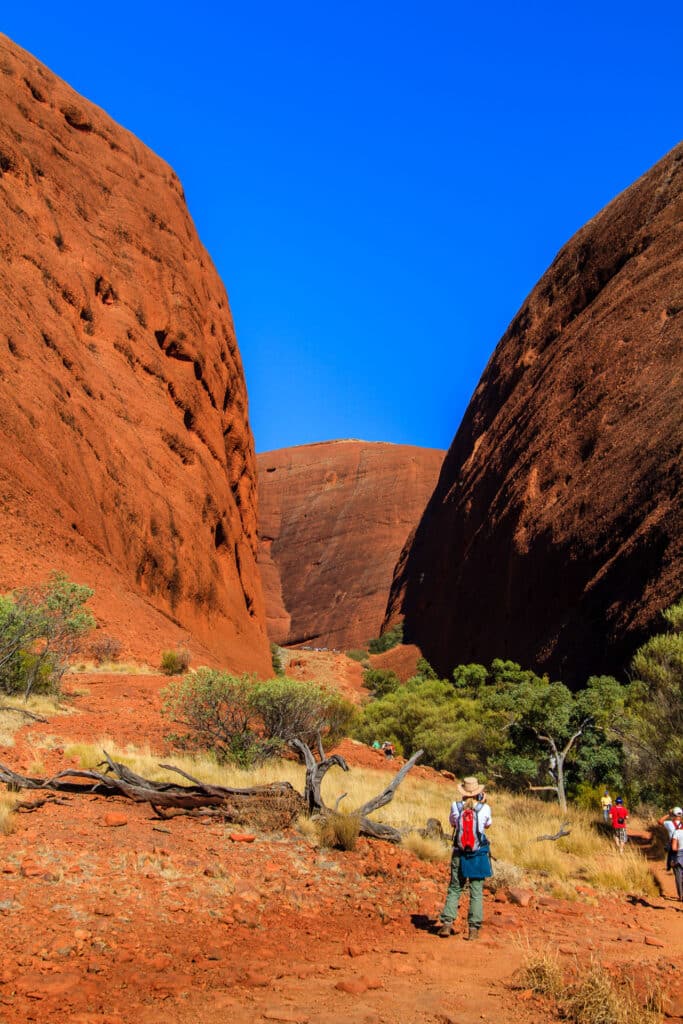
x=470, y=786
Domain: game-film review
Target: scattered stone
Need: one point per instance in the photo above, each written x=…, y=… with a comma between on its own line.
x=241, y=837
x=352, y=986
x=520, y=897
x=114, y=819
x=651, y=940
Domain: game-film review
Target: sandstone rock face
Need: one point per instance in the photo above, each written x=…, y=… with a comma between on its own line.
x=554, y=534
x=126, y=457
x=332, y=520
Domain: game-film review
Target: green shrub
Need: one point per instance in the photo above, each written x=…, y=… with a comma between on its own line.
x=246, y=721
x=276, y=660
x=41, y=628
x=357, y=654
x=380, y=681
x=389, y=638
x=174, y=663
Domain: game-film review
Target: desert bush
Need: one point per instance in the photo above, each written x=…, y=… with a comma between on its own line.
x=41, y=628
x=339, y=831
x=105, y=648
x=246, y=721
x=276, y=660
x=541, y=972
x=389, y=638
x=289, y=709
x=380, y=681
x=426, y=848
x=174, y=663
x=357, y=654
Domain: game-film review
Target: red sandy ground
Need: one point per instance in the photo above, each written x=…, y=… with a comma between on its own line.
x=173, y=921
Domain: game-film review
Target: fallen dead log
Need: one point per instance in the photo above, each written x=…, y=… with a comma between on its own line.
x=24, y=712
x=564, y=831
x=273, y=805
x=315, y=773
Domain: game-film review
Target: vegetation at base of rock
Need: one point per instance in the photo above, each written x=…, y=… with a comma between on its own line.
x=391, y=637
x=276, y=660
x=528, y=732
x=175, y=662
x=105, y=649
x=247, y=721
x=357, y=654
x=41, y=628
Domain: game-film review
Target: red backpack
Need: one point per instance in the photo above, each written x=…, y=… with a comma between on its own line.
x=467, y=836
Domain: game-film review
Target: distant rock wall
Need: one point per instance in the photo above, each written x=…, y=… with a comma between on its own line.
x=554, y=534
x=332, y=520
x=126, y=456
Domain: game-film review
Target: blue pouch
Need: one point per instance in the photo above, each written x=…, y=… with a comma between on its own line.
x=476, y=864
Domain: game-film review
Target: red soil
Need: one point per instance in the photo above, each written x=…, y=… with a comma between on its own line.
x=110, y=916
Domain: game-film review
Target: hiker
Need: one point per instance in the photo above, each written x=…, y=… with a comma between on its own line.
x=376, y=745
x=606, y=804
x=677, y=850
x=619, y=815
x=470, y=817
x=671, y=822
x=388, y=749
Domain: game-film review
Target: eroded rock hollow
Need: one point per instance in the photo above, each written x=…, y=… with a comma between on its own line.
x=554, y=534
x=127, y=458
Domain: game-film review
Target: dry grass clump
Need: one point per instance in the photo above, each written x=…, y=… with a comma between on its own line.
x=506, y=876
x=541, y=972
x=594, y=997
x=8, y=802
x=339, y=831
x=11, y=720
x=599, y=998
x=426, y=847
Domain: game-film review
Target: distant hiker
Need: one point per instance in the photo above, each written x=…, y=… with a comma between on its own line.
x=619, y=815
x=376, y=745
x=388, y=749
x=677, y=850
x=470, y=817
x=606, y=804
x=671, y=822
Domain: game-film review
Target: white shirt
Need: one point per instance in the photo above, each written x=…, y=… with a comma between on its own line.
x=483, y=816
x=670, y=827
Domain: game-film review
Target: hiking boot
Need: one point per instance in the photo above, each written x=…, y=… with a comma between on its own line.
x=472, y=934
x=445, y=930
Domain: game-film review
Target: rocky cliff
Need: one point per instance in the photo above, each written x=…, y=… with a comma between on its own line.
x=554, y=534
x=332, y=520
x=126, y=456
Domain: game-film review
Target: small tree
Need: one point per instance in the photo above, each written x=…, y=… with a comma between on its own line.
x=247, y=721
x=41, y=628
x=653, y=725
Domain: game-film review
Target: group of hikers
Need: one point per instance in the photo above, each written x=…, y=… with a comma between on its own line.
x=387, y=748
x=470, y=818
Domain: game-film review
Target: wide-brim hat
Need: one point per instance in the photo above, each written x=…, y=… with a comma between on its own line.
x=469, y=786
x=677, y=810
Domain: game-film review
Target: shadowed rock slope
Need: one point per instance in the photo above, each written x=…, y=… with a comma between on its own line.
x=554, y=534
x=332, y=520
x=126, y=456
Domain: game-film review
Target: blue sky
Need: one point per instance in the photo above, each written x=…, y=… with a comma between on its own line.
x=380, y=185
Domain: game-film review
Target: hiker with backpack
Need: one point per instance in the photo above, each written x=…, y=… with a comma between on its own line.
x=677, y=854
x=619, y=815
x=671, y=822
x=470, y=862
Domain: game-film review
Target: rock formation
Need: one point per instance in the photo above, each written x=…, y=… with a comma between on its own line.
x=554, y=534
x=332, y=520
x=126, y=458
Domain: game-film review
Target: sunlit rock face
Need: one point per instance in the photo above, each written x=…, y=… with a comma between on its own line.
x=126, y=457
x=554, y=534
x=332, y=520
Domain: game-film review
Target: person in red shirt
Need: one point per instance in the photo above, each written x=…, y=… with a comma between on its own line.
x=619, y=815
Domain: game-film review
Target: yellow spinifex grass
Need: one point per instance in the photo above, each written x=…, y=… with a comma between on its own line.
x=8, y=801
x=585, y=856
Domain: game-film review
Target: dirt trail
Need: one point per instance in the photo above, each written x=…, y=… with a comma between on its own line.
x=150, y=921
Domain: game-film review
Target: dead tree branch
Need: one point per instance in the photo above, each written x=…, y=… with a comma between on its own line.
x=564, y=831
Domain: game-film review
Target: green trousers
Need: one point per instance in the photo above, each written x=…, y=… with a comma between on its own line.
x=455, y=888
